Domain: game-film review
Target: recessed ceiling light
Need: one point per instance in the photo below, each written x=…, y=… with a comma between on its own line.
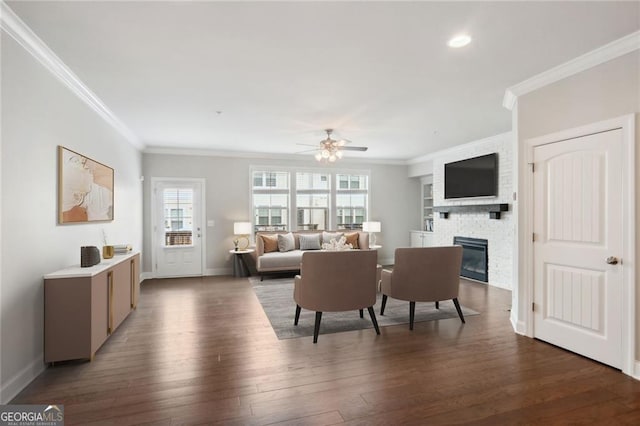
x=459, y=41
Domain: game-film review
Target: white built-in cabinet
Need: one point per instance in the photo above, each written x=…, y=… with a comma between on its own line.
x=424, y=237
x=427, y=204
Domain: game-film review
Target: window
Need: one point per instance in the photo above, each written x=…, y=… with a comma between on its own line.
x=312, y=200
x=351, y=200
x=178, y=216
x=270, y=200
x=308, y=200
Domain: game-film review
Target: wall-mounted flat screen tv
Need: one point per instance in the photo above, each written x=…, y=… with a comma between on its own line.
x=473, y=177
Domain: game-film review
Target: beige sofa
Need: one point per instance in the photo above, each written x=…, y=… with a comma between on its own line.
x=289, y=261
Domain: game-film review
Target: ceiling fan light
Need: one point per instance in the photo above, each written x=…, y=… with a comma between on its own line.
x=332, y=158
x=325, y=153
x=318, y=156
x=460, y=40
x=339, y=154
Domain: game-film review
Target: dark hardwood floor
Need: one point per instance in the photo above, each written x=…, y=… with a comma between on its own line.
x=201, y=351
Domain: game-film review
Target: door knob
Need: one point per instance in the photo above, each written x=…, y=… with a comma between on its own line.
x=612, y=260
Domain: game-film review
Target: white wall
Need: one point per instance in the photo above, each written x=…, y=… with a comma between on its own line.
x=603, y=92
x=38, y=114
x=394, y=199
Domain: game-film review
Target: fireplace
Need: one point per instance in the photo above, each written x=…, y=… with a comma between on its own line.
x=475, y=258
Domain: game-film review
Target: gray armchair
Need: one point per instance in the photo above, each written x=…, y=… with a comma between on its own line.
x=336, y=281
x=423, y=274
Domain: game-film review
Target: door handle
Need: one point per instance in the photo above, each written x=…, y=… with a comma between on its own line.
x=612, y=260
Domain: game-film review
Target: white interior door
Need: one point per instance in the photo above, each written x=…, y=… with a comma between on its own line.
x=578, y=226
x=177, y=228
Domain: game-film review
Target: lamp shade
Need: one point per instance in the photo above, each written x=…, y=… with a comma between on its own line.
x=242, y=228
x=371, y=227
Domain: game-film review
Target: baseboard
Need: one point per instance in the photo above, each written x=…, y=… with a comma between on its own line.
x=146, y=276
x=218, y=271
x=16, y=384
x=636, y=370
x=518, y=326
x=207, y=273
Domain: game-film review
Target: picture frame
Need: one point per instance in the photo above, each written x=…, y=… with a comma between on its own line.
x=85, y=189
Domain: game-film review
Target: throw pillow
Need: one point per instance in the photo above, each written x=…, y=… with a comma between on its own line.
x=286, y=242
x=328, y=236
x=270, y=242
x=309, y=241
x=352, y=238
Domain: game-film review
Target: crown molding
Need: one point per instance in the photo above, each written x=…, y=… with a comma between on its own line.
x=458, y=148
x=603, y=54
x=25, y=37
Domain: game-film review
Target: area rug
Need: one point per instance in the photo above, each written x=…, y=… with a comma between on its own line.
x=276, y=298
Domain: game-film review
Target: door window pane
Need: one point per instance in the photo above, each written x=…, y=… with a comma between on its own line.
x=178, y=216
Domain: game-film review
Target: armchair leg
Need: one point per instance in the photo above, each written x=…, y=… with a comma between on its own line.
x=316, y=329
x=361, y=313
x=455, y=302
x=384, y=303
x=412, y=314
x=372, y=314
x=295, y=322
x=437, y=305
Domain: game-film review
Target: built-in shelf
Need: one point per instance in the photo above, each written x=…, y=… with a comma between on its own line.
x=494, y=210
x=427, y=204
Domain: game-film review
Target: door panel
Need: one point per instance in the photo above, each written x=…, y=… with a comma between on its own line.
x=178, y=228
x=578, y=224
x=121, y=293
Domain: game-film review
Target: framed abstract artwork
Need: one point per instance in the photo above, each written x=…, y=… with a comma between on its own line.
x=85, y=189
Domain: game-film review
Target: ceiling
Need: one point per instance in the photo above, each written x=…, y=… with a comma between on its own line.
x=261, y=77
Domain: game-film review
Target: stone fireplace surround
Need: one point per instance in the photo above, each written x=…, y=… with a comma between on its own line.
x=499, y=233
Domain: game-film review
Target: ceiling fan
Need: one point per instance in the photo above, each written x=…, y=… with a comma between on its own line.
x=330, y=150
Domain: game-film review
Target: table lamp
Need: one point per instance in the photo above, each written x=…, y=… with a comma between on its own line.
x=371, y=228
x=241, y=230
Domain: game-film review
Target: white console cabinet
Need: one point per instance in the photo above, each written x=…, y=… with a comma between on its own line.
x=422, y=239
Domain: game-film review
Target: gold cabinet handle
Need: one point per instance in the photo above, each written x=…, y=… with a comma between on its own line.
x=133, y=289
x=110, y=285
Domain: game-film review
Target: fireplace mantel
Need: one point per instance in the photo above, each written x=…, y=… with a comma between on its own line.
x=494, y=210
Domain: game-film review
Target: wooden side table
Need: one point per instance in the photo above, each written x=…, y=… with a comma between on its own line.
x=240, y=267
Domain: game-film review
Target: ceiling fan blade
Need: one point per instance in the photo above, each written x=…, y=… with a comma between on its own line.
x=308, y=144
x=354, y=148
x=306, y=151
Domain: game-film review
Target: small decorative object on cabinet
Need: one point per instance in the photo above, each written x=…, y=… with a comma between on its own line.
x=89, y=256
x=84, y=306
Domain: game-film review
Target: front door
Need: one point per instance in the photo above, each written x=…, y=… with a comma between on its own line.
x=177, y=227
x=578, y=236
